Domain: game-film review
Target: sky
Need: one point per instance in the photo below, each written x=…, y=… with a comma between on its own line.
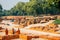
x=8, y=4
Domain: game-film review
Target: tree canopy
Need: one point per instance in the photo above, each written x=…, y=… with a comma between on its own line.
x=33, y=7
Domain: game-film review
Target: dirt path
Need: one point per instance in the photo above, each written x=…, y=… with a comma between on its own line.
x=36, y=25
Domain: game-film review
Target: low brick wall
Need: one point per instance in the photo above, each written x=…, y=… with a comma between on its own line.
x=9, y=37
x=50, y=37
x=27, y=37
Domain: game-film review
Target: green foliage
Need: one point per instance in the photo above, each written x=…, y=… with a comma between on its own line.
x=1, y=10
x=1, y=7
x=17, y=10
x=57, y=21
x=6, y=13
x=33, y=7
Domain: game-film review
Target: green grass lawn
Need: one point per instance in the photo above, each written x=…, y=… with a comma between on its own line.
x=57, y=21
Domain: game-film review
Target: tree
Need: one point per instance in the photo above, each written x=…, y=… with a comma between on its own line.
x=1, y=10
x=17, y=10
x=6, y=13
x=33, y=7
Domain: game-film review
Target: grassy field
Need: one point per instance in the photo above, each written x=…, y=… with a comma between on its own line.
x=57, y=21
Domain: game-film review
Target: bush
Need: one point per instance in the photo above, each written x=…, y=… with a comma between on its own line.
x=57, y=21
